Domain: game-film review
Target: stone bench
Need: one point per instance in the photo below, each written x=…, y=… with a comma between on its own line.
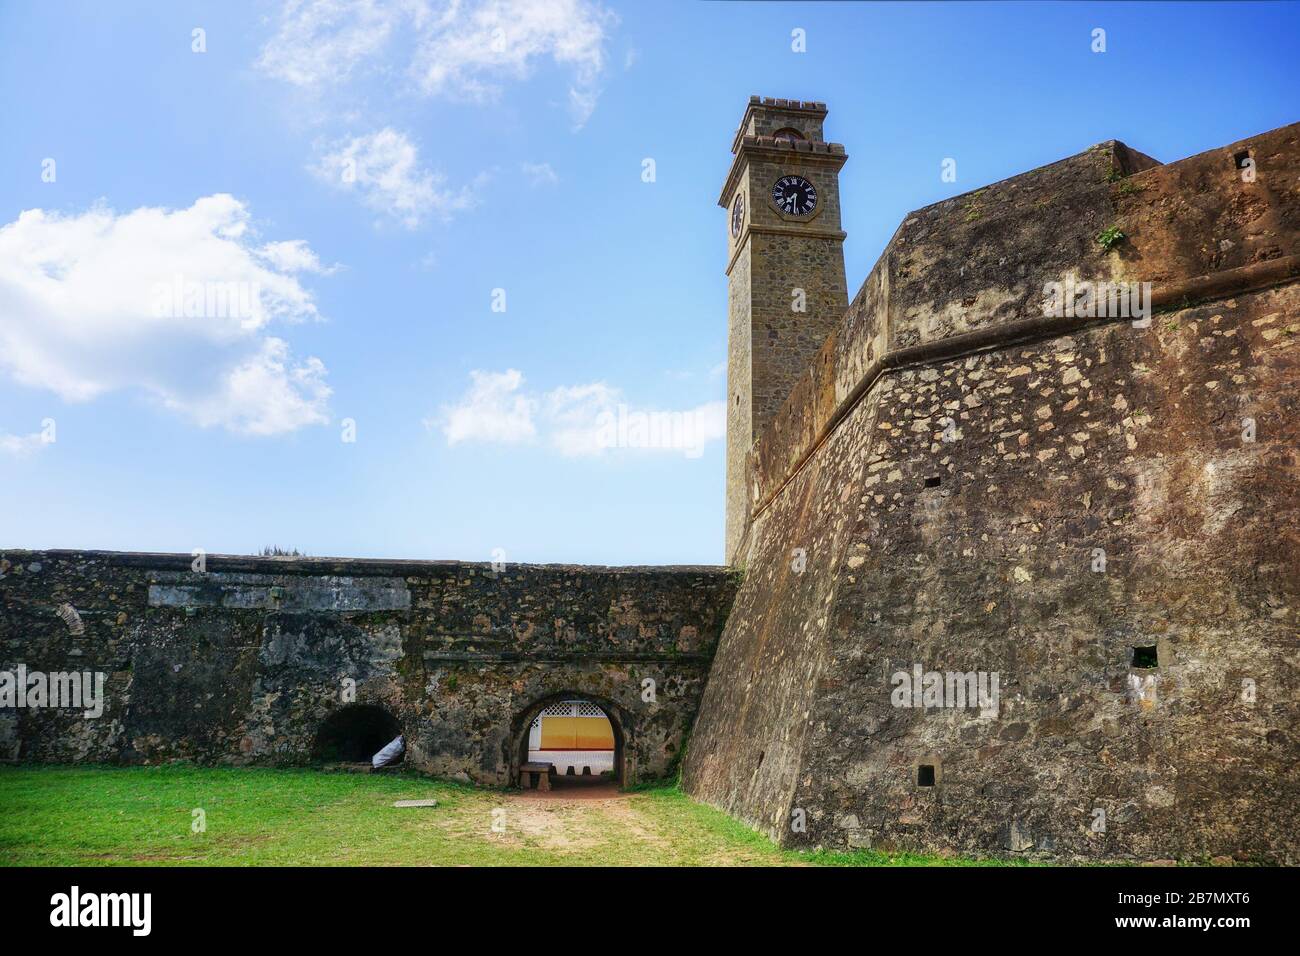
x=541, y=770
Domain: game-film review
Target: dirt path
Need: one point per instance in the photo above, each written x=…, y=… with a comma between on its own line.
x=582, y=818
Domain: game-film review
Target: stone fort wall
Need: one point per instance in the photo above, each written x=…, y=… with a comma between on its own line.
x=936, y=492
x=245, y=662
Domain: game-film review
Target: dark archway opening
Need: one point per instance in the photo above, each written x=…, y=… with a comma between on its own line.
x=582, y=737
x=354, y=734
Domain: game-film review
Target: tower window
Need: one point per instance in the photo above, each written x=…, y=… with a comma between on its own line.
x=1145, y=657
x=788, y=134
x=925, y=775
x=1240, y=158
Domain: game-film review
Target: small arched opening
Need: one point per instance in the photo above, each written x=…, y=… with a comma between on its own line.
x=354, y=734
x=580, y=737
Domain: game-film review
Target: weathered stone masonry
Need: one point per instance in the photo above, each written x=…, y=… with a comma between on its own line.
x=935, y=492
x=244, y=663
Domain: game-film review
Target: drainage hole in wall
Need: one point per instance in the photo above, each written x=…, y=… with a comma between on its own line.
x=1145, y=657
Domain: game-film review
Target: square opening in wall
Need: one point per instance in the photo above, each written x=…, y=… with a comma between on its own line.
x=933, y=481
x=1145, y=657
x=925, y=775
x=1240, y=158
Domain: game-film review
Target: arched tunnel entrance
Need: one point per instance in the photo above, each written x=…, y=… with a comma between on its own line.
x=354, y=734
x=579, y=738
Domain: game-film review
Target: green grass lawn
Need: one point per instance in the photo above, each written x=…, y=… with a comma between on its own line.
x=62, y=816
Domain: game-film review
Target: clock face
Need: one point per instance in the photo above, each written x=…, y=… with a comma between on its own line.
x=737, y=214
x=794, y=195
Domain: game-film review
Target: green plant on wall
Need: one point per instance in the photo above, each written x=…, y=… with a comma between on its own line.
x=1110, y=238
x=973, y=209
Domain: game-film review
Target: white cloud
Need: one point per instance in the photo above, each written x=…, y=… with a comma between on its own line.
x=265, y=394
x=582, y=103
x=324, y=41
x=540, y=174
x=20, y=445
x=293, y=256
x=573, y=414
x=466, y=53
x=462, y=48
x=384, y=169
x=173, y=303
x=575, y=420
x=492, y=410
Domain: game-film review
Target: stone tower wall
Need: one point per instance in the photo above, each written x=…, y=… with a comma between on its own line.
x=786, y=287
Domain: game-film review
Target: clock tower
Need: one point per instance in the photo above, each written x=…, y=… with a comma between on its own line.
x=785, y=274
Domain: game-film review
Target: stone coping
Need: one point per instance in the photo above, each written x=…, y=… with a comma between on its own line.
x=336, y=566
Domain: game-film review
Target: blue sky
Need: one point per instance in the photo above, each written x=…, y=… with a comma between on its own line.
x=374, y=171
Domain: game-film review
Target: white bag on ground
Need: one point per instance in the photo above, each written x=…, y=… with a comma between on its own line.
x=390, y=753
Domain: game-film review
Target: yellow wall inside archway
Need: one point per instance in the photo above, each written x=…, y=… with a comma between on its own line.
x=577, y=733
